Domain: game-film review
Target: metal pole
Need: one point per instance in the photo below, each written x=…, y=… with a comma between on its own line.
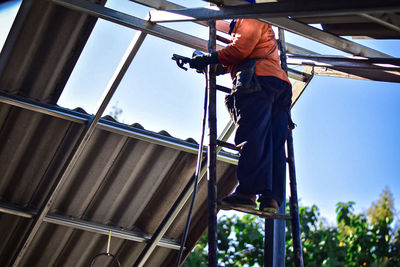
x=279, y=237
x=212, y=155
x=294, y=205
x=269, y=243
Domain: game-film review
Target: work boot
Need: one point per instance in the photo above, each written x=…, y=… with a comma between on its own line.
x=247, y=201
x=268, y=204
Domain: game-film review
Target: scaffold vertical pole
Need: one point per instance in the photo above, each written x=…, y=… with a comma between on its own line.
x=294, y=204
x=212, y=154
x=269, y=242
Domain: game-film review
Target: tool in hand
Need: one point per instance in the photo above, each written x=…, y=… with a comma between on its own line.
x=181, y=60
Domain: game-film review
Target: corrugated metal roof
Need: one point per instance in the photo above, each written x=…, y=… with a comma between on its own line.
x=119, y=181
x=42, y=48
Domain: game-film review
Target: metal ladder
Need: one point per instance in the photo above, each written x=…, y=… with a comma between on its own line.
x=273, y=251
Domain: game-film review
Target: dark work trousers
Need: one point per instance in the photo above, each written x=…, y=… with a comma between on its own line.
x=261, y=120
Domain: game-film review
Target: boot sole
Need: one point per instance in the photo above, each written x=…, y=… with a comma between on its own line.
x=228, y=206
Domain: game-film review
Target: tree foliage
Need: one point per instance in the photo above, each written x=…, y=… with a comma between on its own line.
x=356, y=240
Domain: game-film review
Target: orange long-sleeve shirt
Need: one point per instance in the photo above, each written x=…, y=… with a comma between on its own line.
x=252, y=38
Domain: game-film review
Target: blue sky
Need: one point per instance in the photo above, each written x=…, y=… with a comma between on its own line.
x=346, y=140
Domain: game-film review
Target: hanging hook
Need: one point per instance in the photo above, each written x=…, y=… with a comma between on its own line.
x=109, y=242
x=107, y=253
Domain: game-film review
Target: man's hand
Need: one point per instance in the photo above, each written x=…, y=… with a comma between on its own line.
x=201, y=62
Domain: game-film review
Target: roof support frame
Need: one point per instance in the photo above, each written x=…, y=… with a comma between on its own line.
x=87, y=226
x=298, y=28
x=197, y=43
x=135, y=23
x=391, y=22
x=297, y=8
x=325, y=38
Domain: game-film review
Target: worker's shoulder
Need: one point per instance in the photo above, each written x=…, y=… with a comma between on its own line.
x=254, y=23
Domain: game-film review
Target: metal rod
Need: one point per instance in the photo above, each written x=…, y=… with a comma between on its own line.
x=17, y=211
x=278, y=227
x=104, y=230
x=80, y=145
x=212, y=154
x=86, y=225
x=227, y=145
x=381, y=21
x=280, y=236
x=269, y=243
x=325, y=38
x=344, y=65
x=223, y=89
x=294, y=206
x=342, y=59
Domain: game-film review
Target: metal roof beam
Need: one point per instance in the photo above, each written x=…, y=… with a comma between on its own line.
x=158, y=4
x=324, y=37
x=111, y=126
x=87, y=226
x=305, y=31
x=105, y=229
x=380, y=64
x=377, y=69
x=299, y=87
x=135, y=23
x=197, y=43
x=297, y=8
x=391, y=21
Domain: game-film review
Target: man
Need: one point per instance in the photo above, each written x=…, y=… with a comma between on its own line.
x=261, y=117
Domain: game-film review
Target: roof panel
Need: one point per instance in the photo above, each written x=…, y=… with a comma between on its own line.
x=119, y=181
x=42, y=48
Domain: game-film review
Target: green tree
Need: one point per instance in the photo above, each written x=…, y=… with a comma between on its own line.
x=369, y=241
x=240, y=243
x=321, y=245
x=356, y=240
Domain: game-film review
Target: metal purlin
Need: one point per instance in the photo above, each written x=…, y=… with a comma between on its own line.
x=79, y=145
